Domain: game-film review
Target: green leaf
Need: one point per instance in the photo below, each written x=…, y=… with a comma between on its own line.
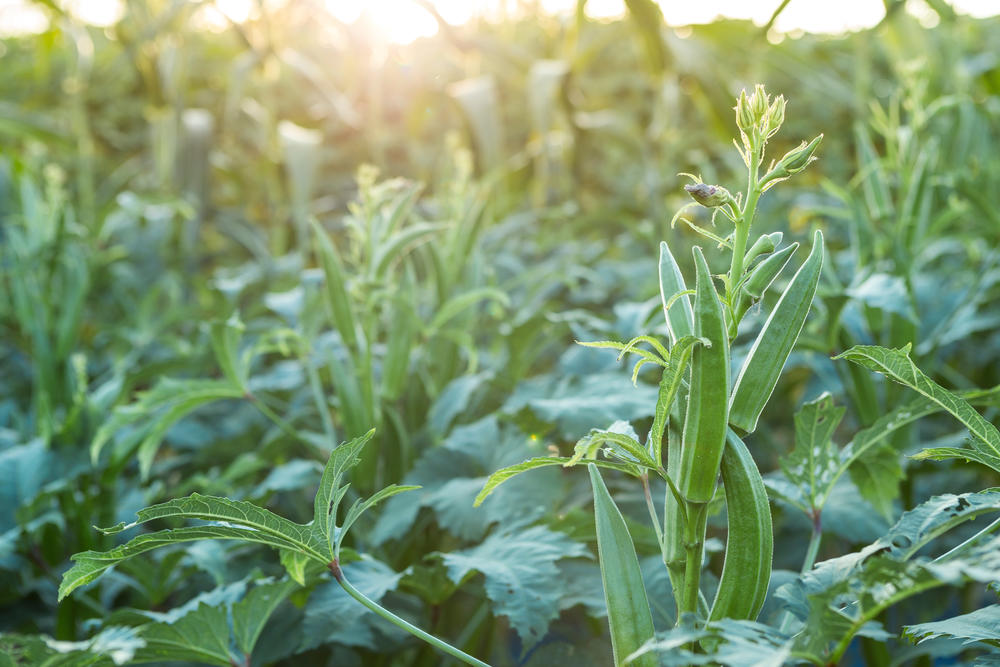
x=454, y=306
x=200, y=636
x=167, y=403
x=521, y=577
x=360, y=507
x=111, y=646
x=840, y=597
x=812, y=465
x=877, y=475
x=574, y=405
x=239, y=520
x=401, y=243
x=897, y=366
x=504, y=474
x=337, y=297
x=330, y=491
x=628, y=608
x=982, y=625
x=622, y=446
x=252, y=612
x=734, y=643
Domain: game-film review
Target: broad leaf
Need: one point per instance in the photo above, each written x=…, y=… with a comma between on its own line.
x=726, y=642
x=812, y=465
x=897, y=365
x=252, y=612
x=982, y=625
x=200, y=636
x=521, y=577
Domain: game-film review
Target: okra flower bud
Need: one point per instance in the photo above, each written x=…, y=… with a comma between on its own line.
x=776, y=115
x=744, y=117
x=793, y=161
x=759, y=104
x=710, y=196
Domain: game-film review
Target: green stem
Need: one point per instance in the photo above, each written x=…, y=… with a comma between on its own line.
x=985, y=531
x=743, y=224
x=694, y=547
x=845, y=641
x=316, y=387
x=652, y=513
x=814, y=540
x=399, y=622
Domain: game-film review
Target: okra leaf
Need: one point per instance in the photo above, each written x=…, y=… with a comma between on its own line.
x=840, y=597
x=877, y=475
x=982, y=625
x=521, y=577
x=360, y=507
x=897, y=366
x=622, y=443
x=167, y=402
x=734, y=643
x=504, y=474
x=110, y=646
x=200, y=636
x=237, y=520
x=813, y=464
x=252, y=612
x=330, y=491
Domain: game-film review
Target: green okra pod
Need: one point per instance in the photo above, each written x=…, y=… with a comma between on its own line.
x=764, y=274
x=708, y=403
x=746, y=571
x=762, y=246
x=629, y=617
x=767, y=357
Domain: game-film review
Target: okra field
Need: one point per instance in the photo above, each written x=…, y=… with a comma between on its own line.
x=546, y=339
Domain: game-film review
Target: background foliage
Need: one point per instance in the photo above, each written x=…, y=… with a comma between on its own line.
x=224, y=252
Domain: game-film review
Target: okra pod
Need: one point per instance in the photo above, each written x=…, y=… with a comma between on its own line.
x=708, y=405
x=746, y=571
x=764, y=274
x=762, y=246
x=767, y=357
x=629, y=617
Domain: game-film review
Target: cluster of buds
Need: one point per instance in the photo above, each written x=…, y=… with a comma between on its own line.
x=758, y=117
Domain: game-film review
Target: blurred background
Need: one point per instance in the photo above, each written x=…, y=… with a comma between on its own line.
x=401, y=214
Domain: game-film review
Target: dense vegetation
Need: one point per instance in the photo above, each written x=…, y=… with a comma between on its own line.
x=293, y=295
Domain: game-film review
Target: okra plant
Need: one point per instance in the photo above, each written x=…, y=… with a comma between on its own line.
x=701, y=415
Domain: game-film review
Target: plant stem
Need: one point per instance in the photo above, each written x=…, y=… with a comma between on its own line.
x=652, y=513
x=985, y=531
x=813, y=549
x=316, y=387
x=742, y=231
x=694, y=547
x=405, y=625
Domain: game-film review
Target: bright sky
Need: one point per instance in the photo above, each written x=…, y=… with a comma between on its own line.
x=404, y=20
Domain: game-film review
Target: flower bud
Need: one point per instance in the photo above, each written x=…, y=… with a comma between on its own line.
x=709, y=196
x=744, y=117
x=759, y=104
x=799, y=158
x=776, y=115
